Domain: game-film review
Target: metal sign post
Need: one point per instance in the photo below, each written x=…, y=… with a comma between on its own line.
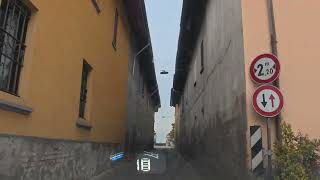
x=268, y=102
x=267, y=99
x=269, y=153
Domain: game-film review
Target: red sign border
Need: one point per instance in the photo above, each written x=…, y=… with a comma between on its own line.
x=260, y=111
x=274, y=77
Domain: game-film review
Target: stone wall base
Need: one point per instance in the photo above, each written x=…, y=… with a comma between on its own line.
x=28, y=158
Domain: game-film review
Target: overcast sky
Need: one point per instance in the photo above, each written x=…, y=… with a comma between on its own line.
x=164, y=24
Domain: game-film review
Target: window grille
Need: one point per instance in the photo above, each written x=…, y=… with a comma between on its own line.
x=14, y=17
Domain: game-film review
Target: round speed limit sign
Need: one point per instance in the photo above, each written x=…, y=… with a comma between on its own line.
x=265, y=69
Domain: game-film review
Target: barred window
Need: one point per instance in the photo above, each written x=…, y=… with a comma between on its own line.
x=202, y=57
x=115, y=29
x=14, y=16
x=86, y=69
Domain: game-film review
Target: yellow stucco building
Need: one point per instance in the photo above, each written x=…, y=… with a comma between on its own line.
x=66, y=75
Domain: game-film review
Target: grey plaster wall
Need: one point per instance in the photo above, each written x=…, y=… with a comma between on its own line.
x=213, y=116
x=24, y=158
x=140, y=111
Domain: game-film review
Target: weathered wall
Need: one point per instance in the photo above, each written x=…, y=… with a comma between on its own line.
x=31, y=159
x=177, y=126
x=140, y=112
x=57, y=42
x=213, y=122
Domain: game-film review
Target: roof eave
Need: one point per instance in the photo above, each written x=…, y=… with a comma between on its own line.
x=191, y=22
x=138, y=21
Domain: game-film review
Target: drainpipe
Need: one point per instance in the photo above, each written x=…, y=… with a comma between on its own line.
x=272, y=28
x=274, y=50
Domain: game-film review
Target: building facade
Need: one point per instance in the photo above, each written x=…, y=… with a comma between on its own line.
x=212, y=89
x=293, y=39
x=67, y=85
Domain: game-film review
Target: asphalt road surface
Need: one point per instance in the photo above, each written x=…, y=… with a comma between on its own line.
x=177, y=168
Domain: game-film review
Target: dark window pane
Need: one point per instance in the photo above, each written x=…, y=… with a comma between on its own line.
x=84, y=88
x=115, y=30
x=14, y=17
x=202, y=57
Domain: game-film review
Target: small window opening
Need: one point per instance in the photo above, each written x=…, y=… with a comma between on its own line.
x=86, y=69
x=115, y=30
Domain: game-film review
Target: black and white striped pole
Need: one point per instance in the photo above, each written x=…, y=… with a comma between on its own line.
x=256, y=149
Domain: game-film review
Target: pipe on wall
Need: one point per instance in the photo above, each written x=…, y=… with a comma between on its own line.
x=272, y=27
x=274, y=50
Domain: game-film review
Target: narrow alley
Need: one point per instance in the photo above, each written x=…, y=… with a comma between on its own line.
x=159, y=90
